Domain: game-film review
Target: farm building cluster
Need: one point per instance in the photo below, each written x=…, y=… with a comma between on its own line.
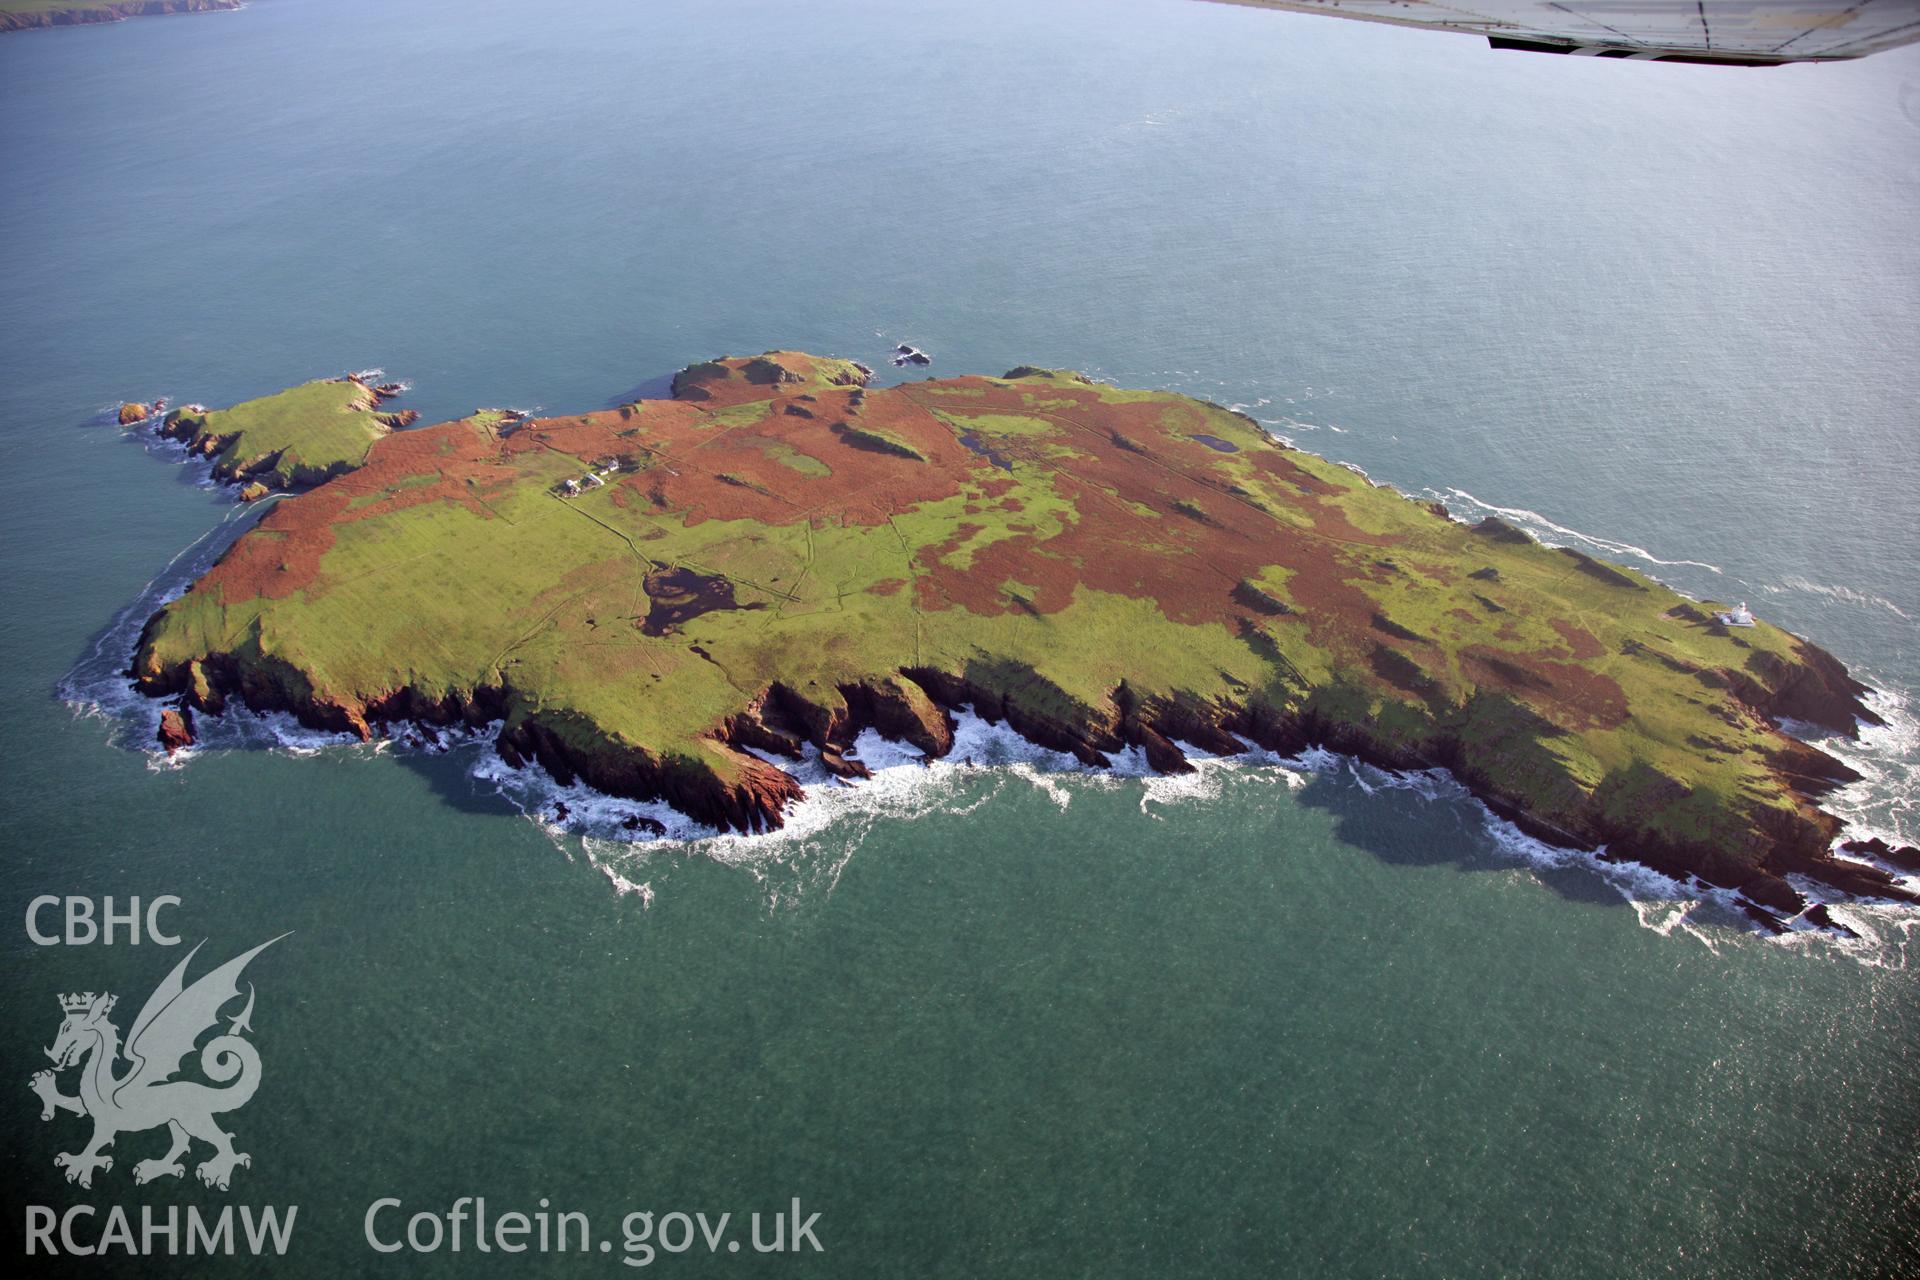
x=596, y=476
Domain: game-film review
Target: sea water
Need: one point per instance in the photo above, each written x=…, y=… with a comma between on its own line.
x=1008, y=1016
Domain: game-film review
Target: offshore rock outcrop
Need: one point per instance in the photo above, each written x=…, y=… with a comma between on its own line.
x=176, y=729
x=1903, y=856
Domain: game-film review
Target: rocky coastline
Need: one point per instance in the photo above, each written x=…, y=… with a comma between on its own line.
x=261, y=461
x=916, y=706
x=1505, y=737
x=118, y=11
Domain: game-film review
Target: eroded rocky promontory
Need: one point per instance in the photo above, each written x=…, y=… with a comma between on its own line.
x=659, y=599
x=292, y=439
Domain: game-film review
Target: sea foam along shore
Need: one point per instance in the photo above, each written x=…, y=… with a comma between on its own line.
x=826, y=827
x=621, y=836
x=629, y=842
x=625, y=840
x=1465, y=506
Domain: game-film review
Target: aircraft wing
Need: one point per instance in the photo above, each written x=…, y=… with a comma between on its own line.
x=1737, y=32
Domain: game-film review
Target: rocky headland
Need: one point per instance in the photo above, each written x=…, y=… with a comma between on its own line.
x=293, y=439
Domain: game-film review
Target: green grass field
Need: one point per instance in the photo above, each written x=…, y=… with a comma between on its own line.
x=1106, y=566
x=292, y=439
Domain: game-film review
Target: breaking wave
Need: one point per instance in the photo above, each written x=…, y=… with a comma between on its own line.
x=1465, y=505
x=631, y=843
x=1885, y=802
x=99, y=685
x=1864, y=599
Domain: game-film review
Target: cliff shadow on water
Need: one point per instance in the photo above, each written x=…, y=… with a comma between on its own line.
x=1416, y=820
x=678, y=601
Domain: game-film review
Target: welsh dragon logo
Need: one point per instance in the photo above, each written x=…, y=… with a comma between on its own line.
x=147, y=1096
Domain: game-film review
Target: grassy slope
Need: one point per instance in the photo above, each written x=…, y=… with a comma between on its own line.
x=876, y=532
x=294, y=437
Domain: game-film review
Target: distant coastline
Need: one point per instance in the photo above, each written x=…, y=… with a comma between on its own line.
x=56, y=13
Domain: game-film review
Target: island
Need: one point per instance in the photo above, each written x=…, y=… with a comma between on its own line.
x=24, y=15
x=667, y=598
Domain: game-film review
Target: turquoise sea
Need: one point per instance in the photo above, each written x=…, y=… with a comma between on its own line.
x=1273, y=1021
